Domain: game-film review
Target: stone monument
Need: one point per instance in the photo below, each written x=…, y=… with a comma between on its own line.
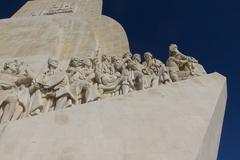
x=71, y=89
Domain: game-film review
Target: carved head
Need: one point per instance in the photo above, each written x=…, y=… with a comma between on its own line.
x=109, y=58
x=148, y=56
x=52, y=63
x=127, y=55
x=137, y=57
x=12, y=67
x=113, y=59
x=87, y=63
x=95, y=60
x=104, y=57
x=117, y=61
x=74, y=62
x=173, y=48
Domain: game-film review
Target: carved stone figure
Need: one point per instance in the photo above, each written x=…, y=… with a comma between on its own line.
x=108, y=78
x=155, y=71
x=86, y=80
x=135, y=72
x=14, y=91
x=81, y=76
x=120, y=66
x=181, y=66
x=137, y=60
x=108, y=71
x=55, y=86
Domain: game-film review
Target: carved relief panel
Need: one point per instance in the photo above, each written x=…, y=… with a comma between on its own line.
x=58, y=8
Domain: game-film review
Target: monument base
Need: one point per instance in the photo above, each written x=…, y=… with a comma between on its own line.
x=181, y=121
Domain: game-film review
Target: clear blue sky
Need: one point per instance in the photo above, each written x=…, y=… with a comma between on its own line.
x=206, y=29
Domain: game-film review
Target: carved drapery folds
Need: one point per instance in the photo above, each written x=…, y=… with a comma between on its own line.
x=86, y=80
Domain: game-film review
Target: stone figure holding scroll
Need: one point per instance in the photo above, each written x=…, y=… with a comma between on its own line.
x=55, y=87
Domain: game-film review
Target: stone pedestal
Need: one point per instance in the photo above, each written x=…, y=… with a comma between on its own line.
x=181, y=121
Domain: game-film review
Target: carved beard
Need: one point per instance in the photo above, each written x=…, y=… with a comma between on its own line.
x=149, y=62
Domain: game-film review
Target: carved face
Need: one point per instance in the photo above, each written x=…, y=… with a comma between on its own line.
x=95, y=61
x=173, y=48
x=104, y=57
x=52, y=63
x=148, y=56
x=74, y=62
x=11, y=67
x=127, y=55
x=109, y=59
x=117, y=62
x=87, y=63
x=137, y=57
x=113, y=59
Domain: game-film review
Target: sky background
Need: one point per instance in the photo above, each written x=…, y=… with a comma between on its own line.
x=208, y=30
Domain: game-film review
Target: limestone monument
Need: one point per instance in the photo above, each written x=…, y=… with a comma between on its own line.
x=71, y=89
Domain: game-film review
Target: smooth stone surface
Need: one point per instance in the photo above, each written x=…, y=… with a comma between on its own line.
x=61, y=37
x=57, y=36
x=181, y=121
x=111, y=37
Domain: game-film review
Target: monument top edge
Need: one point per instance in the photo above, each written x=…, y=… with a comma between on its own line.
x=53, y=7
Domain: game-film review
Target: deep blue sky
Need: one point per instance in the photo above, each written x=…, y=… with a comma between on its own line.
x=206, y=29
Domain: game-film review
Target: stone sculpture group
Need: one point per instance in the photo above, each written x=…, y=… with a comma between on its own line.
x=86, y=80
